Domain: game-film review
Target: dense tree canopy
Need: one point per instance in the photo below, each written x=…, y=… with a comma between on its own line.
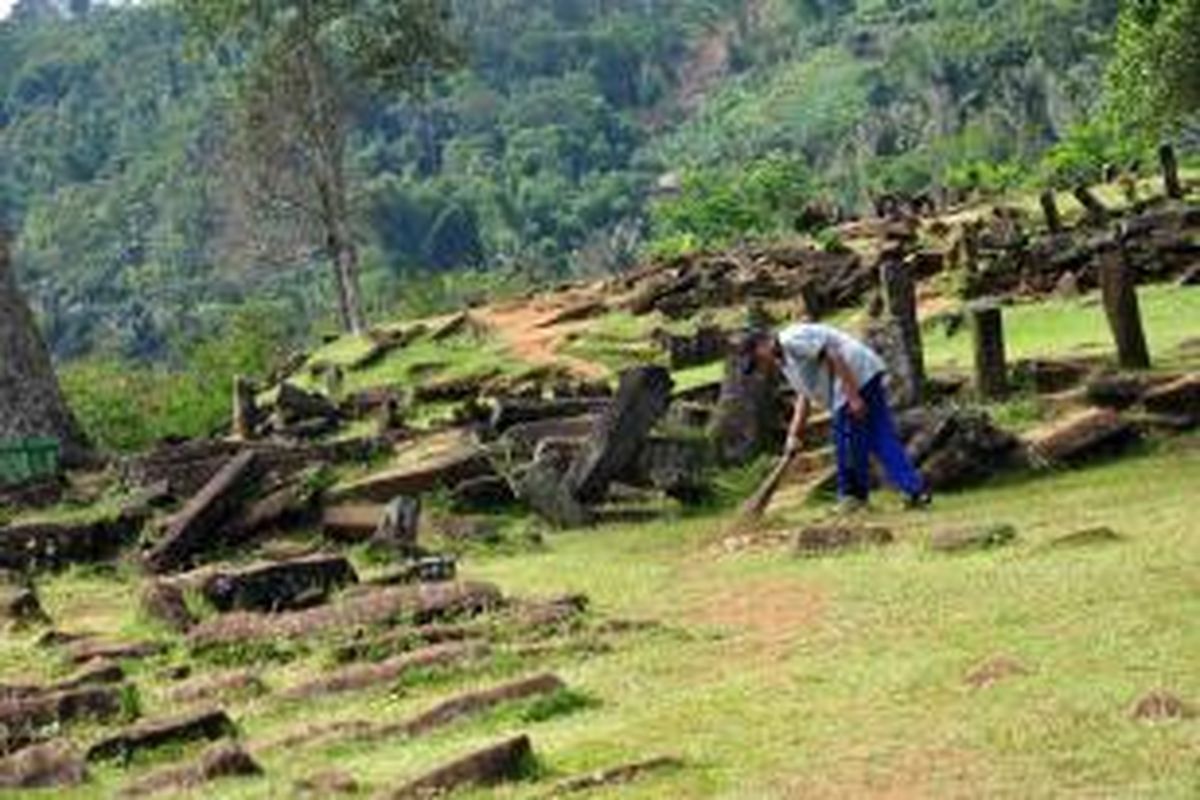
x=540, y=157
x=1156, y=73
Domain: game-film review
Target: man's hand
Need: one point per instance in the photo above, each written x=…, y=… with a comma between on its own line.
x=858, y=407
x=792, y=446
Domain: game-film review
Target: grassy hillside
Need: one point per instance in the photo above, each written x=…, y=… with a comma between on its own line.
x=891, y=671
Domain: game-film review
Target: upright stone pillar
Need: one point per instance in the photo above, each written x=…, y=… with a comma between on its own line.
x=991, y=364
x=900, y=308
x=1119, y=292
x=1050, y=211
x=245, y=409
x=1095, y=211
x=1170, y=171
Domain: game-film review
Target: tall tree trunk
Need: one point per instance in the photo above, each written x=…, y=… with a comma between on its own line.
x=344, y=256
x=31, y=403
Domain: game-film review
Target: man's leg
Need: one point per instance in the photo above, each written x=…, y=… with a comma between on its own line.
x=850, y=443
x=885, y=442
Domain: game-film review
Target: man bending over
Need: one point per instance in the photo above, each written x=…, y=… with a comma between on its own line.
x=827, y=366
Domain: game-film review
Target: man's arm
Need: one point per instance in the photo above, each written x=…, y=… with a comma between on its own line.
x=795, y=437
x=841, y=371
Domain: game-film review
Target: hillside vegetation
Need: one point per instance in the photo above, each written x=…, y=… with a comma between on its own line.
x=538, y=159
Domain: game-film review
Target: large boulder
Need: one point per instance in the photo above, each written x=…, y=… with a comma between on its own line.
x=751, y=416
x=543, y=486
x=53, y=545
x=676, y=466
x=955, y=447
x=271, y=585
x=643, y=395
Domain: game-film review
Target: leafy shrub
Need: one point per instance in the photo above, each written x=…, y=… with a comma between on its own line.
x=716, y=207
x=125, y=406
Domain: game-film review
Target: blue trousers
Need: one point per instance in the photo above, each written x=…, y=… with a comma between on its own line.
x=856, y=440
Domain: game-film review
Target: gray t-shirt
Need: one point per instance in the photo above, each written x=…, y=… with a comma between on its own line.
x=804, y=343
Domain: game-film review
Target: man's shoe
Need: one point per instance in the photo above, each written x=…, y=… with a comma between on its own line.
x=918, y=501
x=850, y=505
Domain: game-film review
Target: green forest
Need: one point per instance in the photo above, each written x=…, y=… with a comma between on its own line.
x=538, y=157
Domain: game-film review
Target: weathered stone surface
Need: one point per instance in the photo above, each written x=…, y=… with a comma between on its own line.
x=709, y=343
x=470, y=703
x=676, y=466
x=403, y=641
x=188, y=466
x=507, y=760
x=22, y=717
x=642, y=398
x=351, y=523
x=818, y=540
x=246, y=414
x=443, y=471
x=53, y=545
x=287, y=505
x=165, y=602
x=85, y=650
x=41, y=766
x=1115, y=391
x=1083, y=436
x=422, y=569
x=955, y=448
x=454, y=389
x=1161, y=705
x=973, y=537
x=417, y=604
x=507, y=413
x=197, y=526
x=1087, y=537
x=219, y=761
x=544, y=486
x=294, y=405
x=327, y=784
x=618, y=775
x=271, y=586
x=993, y=671
x=523, y=439
x=207, y=687
x=356, y=677
x=489, y=493
x=1118, y=280
x=750, y=416
x=209, y=724
x=97, y=673
x=1180, y=397
x=20, y=607
x=396, y=534
x=549, y=616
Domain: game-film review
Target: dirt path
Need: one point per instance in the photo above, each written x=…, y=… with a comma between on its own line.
x=523, y=327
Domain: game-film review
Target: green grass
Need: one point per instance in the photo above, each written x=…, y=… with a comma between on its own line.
x=1058, y=328
x=422, y=359
x=844, y=676
x=773, y=676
